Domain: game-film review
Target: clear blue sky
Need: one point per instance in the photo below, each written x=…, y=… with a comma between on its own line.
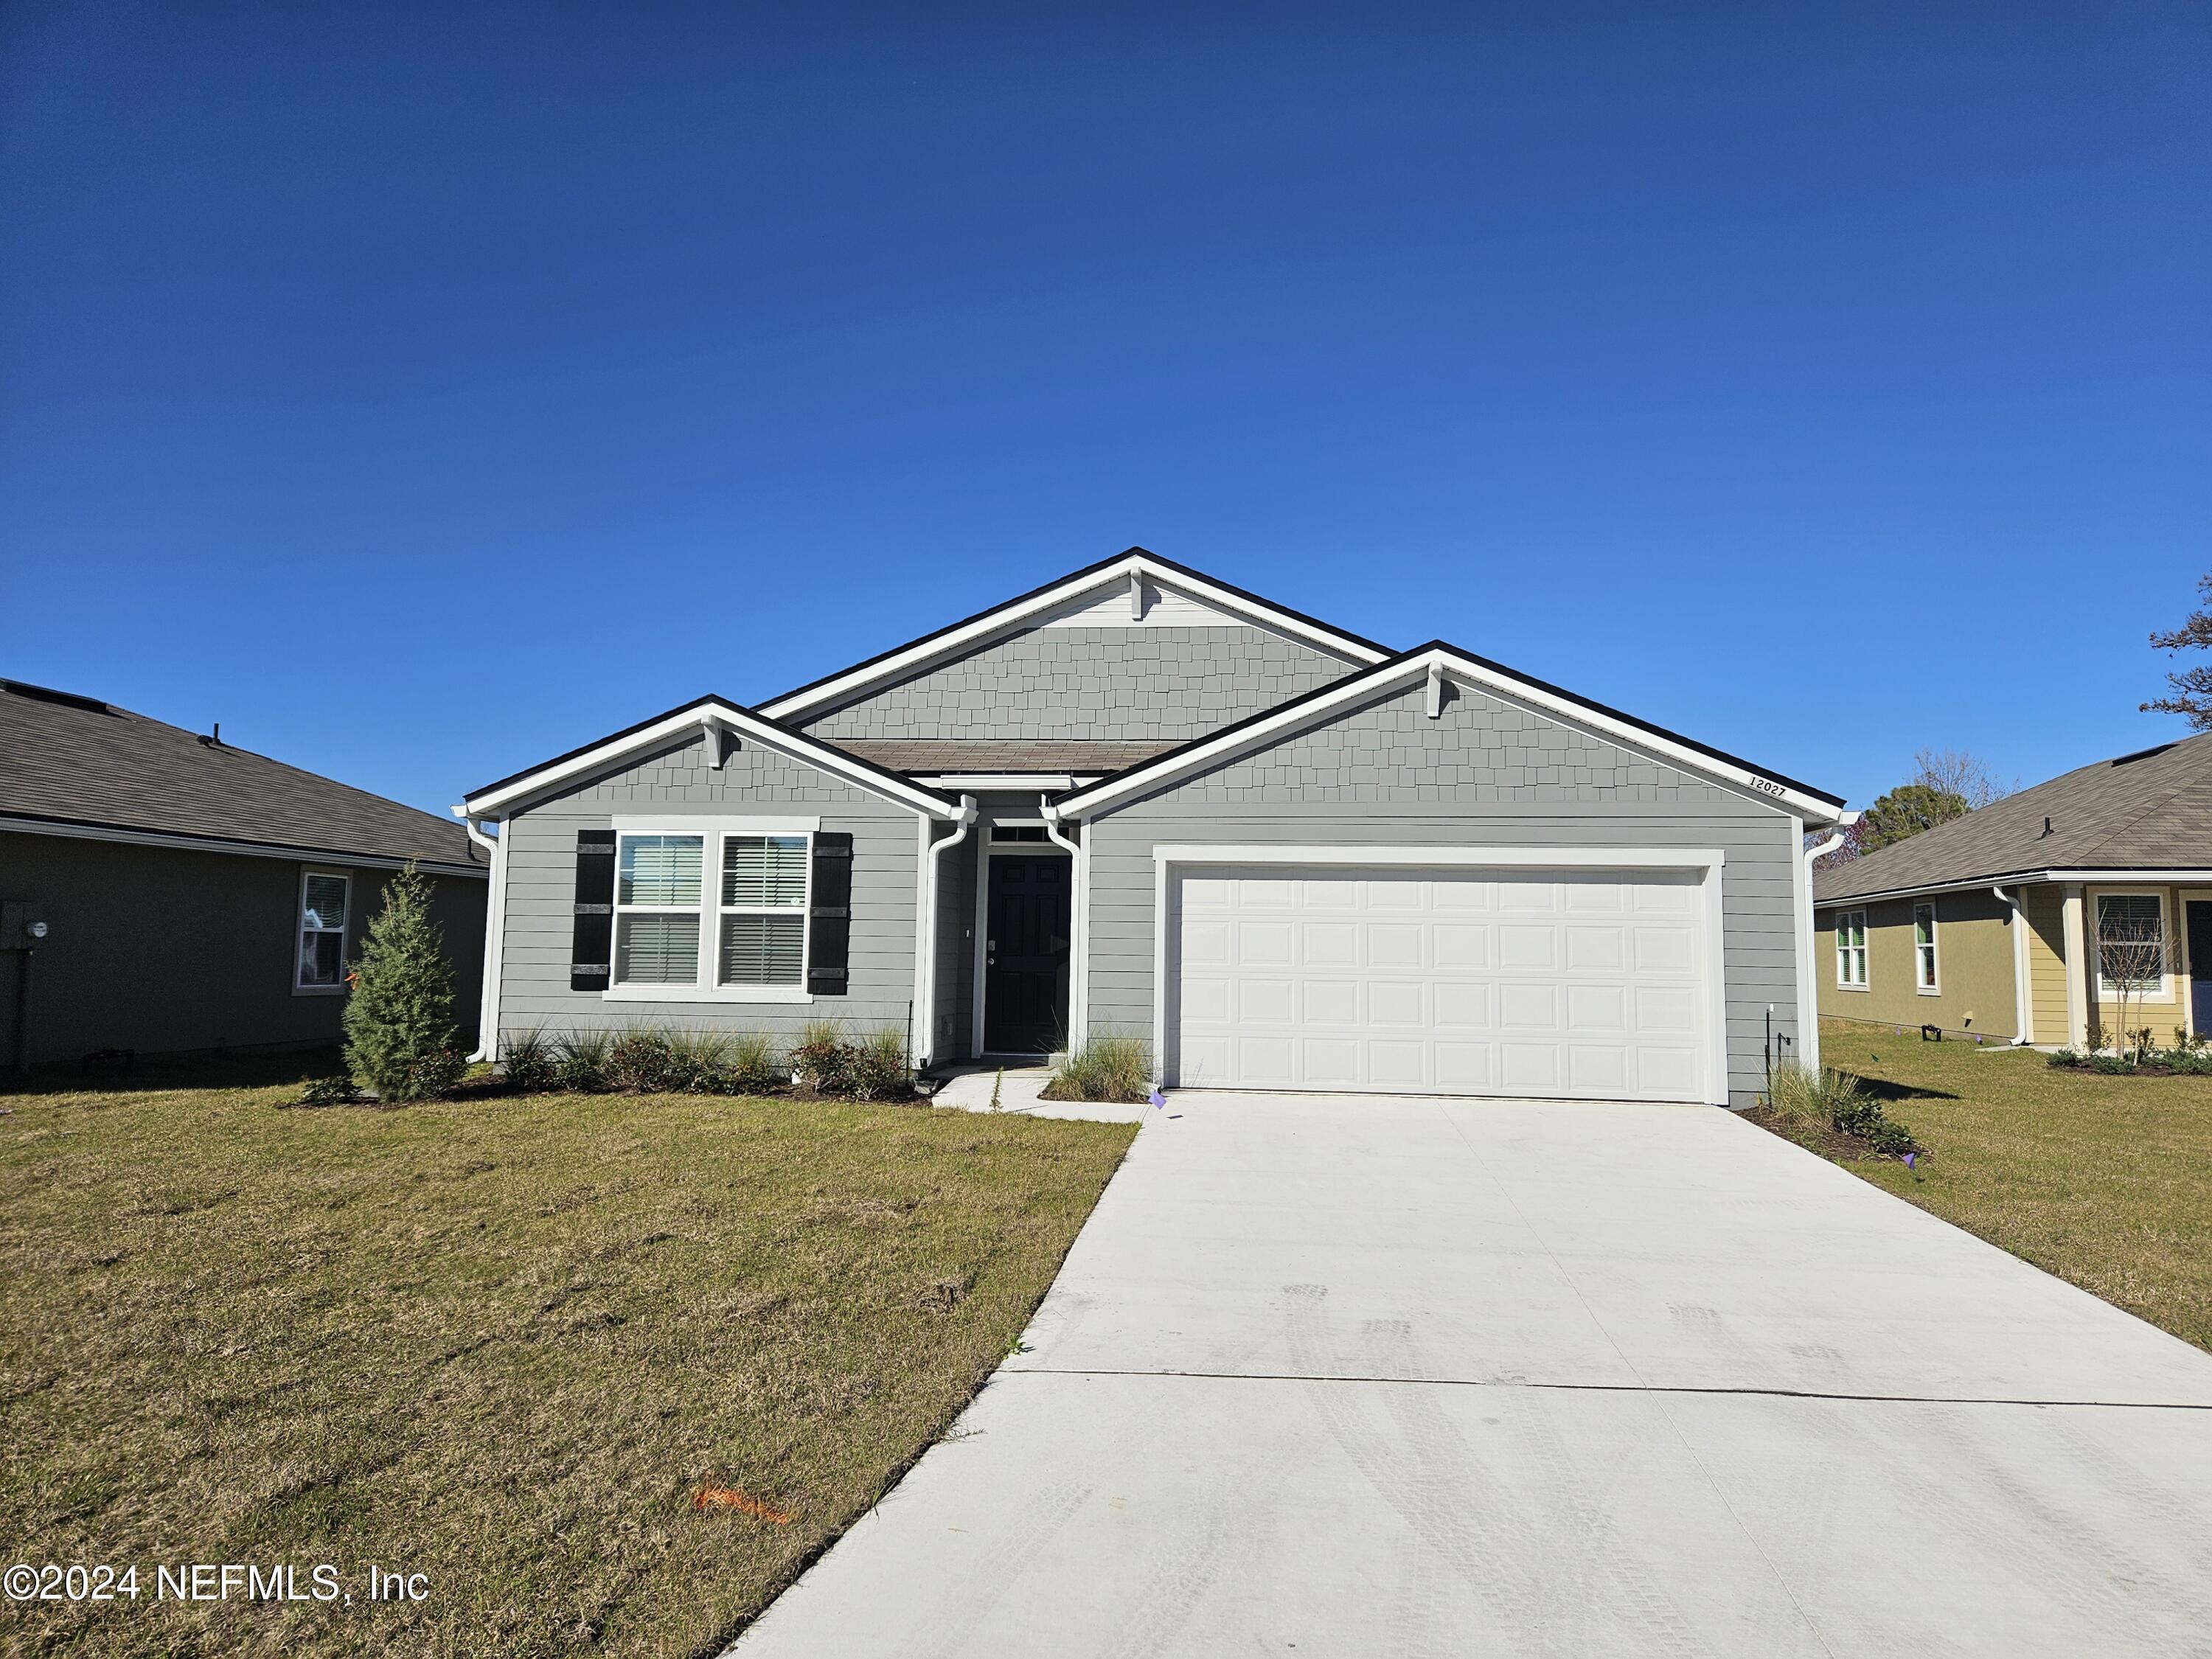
x=420, y=392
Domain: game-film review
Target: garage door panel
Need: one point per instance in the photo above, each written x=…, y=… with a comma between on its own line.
x=1394, y=944
x=1330, y=1001
x=1396, y=1002
x=1525, y=1007
x=1545, y=983
x=1328, y=943
x=1267, y=1001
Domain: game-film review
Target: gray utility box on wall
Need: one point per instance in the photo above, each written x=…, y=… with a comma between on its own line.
x=22, y=925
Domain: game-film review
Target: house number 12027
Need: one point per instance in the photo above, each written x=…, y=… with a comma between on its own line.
x=1766, y=786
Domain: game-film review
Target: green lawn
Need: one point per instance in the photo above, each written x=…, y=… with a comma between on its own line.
x=501, y=1342
x=2104, y=1180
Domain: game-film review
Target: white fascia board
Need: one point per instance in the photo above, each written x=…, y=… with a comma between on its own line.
x=1011, y=617
x=2021, y=878
x=1455, y=857
x=792, y=746
x=1360, y=688
x=1030, y=782
x=182, y=844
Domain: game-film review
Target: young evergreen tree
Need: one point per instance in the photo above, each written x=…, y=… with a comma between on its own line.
x=401, y=1040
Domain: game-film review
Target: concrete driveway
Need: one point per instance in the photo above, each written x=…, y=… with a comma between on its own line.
x=1350, y=1376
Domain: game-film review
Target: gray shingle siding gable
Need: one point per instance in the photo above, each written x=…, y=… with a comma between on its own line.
x=541, y=867
x=1091, y=683
x=1485, y=772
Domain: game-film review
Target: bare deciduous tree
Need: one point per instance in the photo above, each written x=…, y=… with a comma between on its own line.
x=2131, y=958
x=1955, y=772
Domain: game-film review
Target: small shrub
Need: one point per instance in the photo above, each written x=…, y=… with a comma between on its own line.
x=876, y=1067
x=643, y=1062
x=1811, y=1101
x=751, y=1066
x=329, y=1091
x=1855, y=1114
x=1107, y=1068
x=823, y=1060
x=1890, y=1139
x=583, y=1061
x=401, y=1040
x=531, y=1061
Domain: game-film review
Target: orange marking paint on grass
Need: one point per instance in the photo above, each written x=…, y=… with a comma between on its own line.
x=722, y=1497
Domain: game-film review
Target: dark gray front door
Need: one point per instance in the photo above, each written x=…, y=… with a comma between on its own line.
x=1025, y=956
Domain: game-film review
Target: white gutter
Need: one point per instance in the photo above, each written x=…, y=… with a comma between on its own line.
x=494, y=935
x=1809, y=992
x=1001, y=780
x=1079, y=926
x=2021, y=1014
x=924, y=995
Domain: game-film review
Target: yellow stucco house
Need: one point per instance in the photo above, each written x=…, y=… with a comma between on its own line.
x=2007, y=924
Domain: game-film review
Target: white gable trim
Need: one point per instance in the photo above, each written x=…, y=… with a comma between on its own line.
x=1361, y=688
x=714, y=718
x=1123, y=582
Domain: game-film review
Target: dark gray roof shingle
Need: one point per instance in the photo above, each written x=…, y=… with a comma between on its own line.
x=2148, y=810
x=80, y=760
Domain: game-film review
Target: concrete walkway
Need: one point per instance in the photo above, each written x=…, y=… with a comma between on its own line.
x=1348, y=1376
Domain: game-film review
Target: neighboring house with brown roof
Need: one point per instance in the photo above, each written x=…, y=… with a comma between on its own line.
x=165, y=891
x=1993, y=924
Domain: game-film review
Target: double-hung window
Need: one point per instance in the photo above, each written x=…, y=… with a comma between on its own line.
x=658, y=880
x=763, y=938
x=1851, y=950
x=2131, y=945
x=718, y=913
x=1923, y=947
x=324, y=896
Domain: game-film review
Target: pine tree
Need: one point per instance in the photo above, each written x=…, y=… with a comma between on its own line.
x=401, y=1040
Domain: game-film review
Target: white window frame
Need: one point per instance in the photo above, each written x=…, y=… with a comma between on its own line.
x=1927, y=971
x=1848, y=956
x=2106, y=990
x=714, y=833
x=300, y=988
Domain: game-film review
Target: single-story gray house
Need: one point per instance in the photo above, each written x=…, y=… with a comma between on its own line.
x=164, y=892
x=1141, y=801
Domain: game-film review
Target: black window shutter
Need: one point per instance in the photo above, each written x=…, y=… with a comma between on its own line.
x=829, y=948
x=592, y=950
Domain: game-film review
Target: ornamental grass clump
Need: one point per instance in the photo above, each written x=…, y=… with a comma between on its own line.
x=400, y=1037
x=1107, y=1068
x=1833, y=1102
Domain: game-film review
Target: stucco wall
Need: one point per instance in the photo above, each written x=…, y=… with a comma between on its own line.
x=1487, y=772
x=163, y=950
x=680, y=781
x=1974, y=966
x=1090, y=682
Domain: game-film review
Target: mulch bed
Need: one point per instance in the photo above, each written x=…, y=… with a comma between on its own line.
x=1828, y=1143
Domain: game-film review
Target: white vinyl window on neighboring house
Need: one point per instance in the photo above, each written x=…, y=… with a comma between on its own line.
x=2131, y=945
x=712, y=916
x=1923, y=947
x=1851, y=950
x=324, y=896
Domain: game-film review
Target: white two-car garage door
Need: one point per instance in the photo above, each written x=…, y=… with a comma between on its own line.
x=1546, y=983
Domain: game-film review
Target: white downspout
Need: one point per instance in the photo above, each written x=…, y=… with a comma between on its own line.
x=2022, y=1012
x=925, y=995
x=1078, y=924
x=1808, y=993
x=495, y=934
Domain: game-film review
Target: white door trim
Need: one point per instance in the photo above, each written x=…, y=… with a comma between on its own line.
x=1169, y=857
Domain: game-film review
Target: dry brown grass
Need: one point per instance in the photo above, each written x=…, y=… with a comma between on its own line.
x=504, y=1342
x=2099, y=1180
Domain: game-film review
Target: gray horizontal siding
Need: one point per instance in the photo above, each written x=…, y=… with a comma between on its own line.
x=541, y=876
x=1091, y=683
x=1485, y=774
